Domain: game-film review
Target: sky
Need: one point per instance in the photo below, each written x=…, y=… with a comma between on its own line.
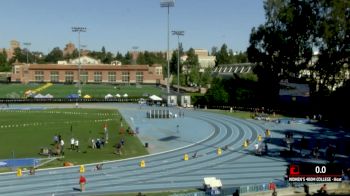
x=121, y=25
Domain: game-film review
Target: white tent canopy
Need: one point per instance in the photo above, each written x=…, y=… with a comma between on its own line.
x=39, y=96
x=155, y=98
x=48, y=96
x=117, y=95
x=108, y=96
x=125, y=95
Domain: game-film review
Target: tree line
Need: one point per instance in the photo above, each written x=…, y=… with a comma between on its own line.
x=293, y=31
x=311, y=36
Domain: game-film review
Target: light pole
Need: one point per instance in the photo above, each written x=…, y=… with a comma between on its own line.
x=79, y=30
x=178, y=33
x=27, y=44
x=167, y=4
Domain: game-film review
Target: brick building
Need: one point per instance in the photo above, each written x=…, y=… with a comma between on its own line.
x=89, y=73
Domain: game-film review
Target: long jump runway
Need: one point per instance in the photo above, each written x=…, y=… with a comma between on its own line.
x=236, y=166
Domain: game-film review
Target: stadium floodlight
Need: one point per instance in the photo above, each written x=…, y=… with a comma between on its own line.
x=178, y=33
x=168, y=4
x=79, y=30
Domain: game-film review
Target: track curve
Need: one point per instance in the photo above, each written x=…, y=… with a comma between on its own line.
x=235, y=167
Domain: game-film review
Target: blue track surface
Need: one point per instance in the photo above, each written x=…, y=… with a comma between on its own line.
x=14, y=163
x=199, y=132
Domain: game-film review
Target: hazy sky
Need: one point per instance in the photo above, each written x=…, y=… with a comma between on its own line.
x=119, y=25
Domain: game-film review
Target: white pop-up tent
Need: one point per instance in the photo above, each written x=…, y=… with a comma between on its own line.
x=39, y=96
x=48, y=96
x=212, y=183
x=108, y=96
x=155, y=98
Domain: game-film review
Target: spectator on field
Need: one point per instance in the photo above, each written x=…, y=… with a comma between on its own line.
x=93, y=144
x=98, y=143
x=62, y=145
x=118, y=149
x=72, y=143
x=55, y=139
x=76, y=145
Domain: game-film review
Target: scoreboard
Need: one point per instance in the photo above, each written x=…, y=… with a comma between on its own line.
x=315, y=173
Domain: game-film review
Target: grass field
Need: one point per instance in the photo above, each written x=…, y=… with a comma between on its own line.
x=63, y=90
x=24, y=133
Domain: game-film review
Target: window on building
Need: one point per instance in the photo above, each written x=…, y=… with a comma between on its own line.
x=69, y=77
x=97, y=76
x=16, y=69
x=158, y=71
x=54, y=77
x=84, y=76
x=112, y=76
x=125, y=77
x=139, y=77
x=39, y=76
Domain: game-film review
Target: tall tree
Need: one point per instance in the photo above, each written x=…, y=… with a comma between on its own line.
x=205, y=77
x=19, y=56
x=119, y=57
x=141, y=58
x=173, y=63
x=4, y=66
x=283, y=45
x=214, y=50
x=127, y=59
x=222, y=56
x=192, y=66
x=108, y=58
x=217, y=93
x=55, y=55
x=334, y=44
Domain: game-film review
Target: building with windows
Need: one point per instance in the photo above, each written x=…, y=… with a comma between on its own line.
x=89, y=73
x=204, y=59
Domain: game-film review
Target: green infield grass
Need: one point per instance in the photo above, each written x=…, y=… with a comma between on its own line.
x=63, y=90
x=242, y=114
x=25, y=132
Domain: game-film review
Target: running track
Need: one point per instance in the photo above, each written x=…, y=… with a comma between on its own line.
x=164, y=171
